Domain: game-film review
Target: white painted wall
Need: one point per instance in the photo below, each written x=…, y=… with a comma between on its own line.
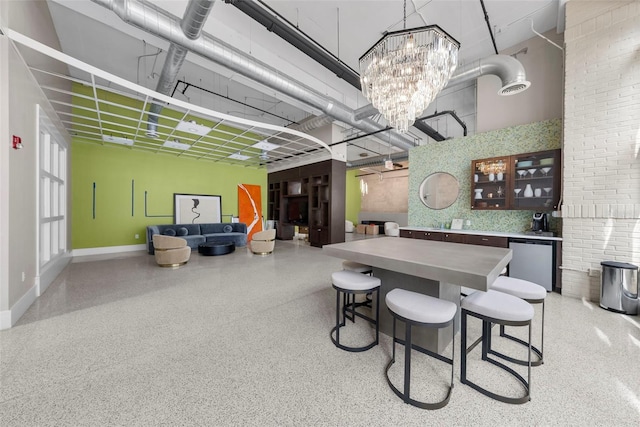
x=601, y=210
x=542, y=101
x=19, y=98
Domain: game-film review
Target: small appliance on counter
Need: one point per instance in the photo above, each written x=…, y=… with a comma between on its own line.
x=540, y=223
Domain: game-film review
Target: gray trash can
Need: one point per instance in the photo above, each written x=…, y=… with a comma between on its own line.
x=619, y=287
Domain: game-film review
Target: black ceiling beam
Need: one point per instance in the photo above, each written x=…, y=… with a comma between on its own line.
x=431, y=132
x=442, y=113
x=277, y=24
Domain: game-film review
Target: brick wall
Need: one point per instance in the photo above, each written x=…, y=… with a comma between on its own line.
x=601, y=185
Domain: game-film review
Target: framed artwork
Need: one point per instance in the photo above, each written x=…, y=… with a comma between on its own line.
x=196, y=208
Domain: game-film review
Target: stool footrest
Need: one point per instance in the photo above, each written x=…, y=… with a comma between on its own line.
x=534, y=350
x=425, y=351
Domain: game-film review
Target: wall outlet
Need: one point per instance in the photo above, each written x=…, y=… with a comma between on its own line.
x=137, y=236
x=24, y=276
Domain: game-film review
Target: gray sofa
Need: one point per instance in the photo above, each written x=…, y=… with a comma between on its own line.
x=196, y=234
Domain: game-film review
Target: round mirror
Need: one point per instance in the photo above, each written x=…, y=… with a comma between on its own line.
x=439, y=190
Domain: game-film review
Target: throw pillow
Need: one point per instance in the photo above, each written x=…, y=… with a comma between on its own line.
x=227, y=228
x=182, y=231
x=169, y=232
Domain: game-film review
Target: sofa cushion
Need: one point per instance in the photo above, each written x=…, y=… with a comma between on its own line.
x=211, y=228
x=182, y=231
x=169, y=232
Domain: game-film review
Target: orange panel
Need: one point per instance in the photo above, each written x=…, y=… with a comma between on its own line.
x=250, y=208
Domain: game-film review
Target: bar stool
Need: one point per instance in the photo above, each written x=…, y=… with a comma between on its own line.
x=357, y=267
x=502, y=309
x=531, y=293
x=415, y=309
x=362, y=269
x=350, y=283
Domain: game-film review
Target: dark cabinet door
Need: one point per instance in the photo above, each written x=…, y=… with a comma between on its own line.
x=474, y=239
x=536, y=180
x=489, y=183
x=407, y=233
x=429, y=235
x=318, y=236
x=453, y=237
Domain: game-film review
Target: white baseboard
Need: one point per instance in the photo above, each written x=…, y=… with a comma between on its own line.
x=51, y=273
x=109, y=250
x=9, y=317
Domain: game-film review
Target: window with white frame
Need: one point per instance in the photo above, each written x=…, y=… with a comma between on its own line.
x=52, y=194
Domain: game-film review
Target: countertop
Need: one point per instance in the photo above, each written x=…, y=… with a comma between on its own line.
x=470, y=265
x=484, y=233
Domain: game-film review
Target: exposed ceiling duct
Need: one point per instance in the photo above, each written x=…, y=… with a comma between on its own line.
x=191, y=25
x=508, y=69
x=161, y=23
x=378, y=160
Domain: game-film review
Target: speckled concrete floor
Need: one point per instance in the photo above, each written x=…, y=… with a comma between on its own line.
x=244, y=340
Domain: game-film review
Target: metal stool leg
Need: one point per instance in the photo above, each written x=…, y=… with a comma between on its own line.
x=348, y=310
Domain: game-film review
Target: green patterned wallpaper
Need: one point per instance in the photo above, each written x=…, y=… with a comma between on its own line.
x=455, y=156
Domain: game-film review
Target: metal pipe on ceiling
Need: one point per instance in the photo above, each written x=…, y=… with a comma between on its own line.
x=159, y=22
x=195, y=15
x=378, y=160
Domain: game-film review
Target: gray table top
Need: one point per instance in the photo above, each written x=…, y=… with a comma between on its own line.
x=472, y=266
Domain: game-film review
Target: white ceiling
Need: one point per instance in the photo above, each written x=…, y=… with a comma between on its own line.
x=347, y=28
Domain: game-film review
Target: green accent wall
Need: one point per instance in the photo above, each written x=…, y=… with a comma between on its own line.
x=352, y=196
x=114, y=168
x=455, y=156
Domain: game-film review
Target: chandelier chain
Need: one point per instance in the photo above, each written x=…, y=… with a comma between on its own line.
x=404, y=21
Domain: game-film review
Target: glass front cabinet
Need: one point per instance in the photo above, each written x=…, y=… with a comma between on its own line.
x=528, y=181
x=490, y=178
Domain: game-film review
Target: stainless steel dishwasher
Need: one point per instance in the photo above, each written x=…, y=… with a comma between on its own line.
x=532, y=260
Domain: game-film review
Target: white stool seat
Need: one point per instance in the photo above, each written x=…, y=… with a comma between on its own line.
x=419, y=307
x=356, y=266
x=352, y=281
x=519, y=288
x=498, y=305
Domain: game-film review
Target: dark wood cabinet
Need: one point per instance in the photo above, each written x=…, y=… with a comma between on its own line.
x=536, y=181
x=453, y=237
x=428, y=235
x=489, y=183
x=445, y=236
x=474, y=239
x=319, y=236
x=528, y=181
x=312, y=196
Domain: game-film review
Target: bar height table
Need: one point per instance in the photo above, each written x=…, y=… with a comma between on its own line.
x=433, y=268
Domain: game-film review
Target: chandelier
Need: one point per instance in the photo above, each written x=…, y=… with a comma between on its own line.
x=405, y=70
